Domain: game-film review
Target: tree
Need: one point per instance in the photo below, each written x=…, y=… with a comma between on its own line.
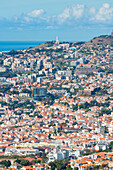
x=74, y=123
x=55, y=132
x=75, y=168
x=37, y=161
x=6, y=163
x=22, y=162
x=53, y=166
x=27, y=91
x=59, y=164
x=96, y=167
x=104, y=165
x=44, y=157
x=68, y=167
x=49, y=137
x=75, y=107
x=111, y=146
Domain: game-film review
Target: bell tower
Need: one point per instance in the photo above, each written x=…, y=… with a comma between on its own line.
x=57, y=41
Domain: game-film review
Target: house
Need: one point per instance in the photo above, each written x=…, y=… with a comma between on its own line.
x=100, y=146
x=58, y=154
x=38, y=167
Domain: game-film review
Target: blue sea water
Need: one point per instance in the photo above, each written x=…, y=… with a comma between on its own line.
x=18, y=45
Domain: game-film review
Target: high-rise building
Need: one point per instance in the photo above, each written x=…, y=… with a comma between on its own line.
x=39, y=92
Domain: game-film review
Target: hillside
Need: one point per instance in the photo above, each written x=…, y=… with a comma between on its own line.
x=43, y=45
x=101, y=40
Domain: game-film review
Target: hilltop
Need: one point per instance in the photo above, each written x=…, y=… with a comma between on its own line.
x=101, y=40
x=43, y=45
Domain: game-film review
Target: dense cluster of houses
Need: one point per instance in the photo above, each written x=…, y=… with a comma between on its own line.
x=74, y=120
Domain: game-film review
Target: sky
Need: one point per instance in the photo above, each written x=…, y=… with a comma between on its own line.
x=43, y=20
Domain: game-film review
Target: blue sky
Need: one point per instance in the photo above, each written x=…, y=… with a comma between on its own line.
x=43, y=20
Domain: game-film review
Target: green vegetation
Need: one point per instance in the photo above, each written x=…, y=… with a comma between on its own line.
x=13, y=52
x=44, y=158
x=59, y=164
x=27, y=104
x=5, y=163
x=38, y=115
x=22, y=162
x=108, y=112
x=86, y=105
x=26, y=91
x=97, y=167
x=74, y=123
x=4, y=88
x=37, y=161
x=8, y=74
x=111, y=146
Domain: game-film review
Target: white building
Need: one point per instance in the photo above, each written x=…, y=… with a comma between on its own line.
x=58, y=154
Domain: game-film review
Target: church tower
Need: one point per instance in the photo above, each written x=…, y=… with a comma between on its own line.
x=112, y=33
x=57, y=41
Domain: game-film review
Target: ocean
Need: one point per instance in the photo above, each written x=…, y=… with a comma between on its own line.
x=18, y=45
